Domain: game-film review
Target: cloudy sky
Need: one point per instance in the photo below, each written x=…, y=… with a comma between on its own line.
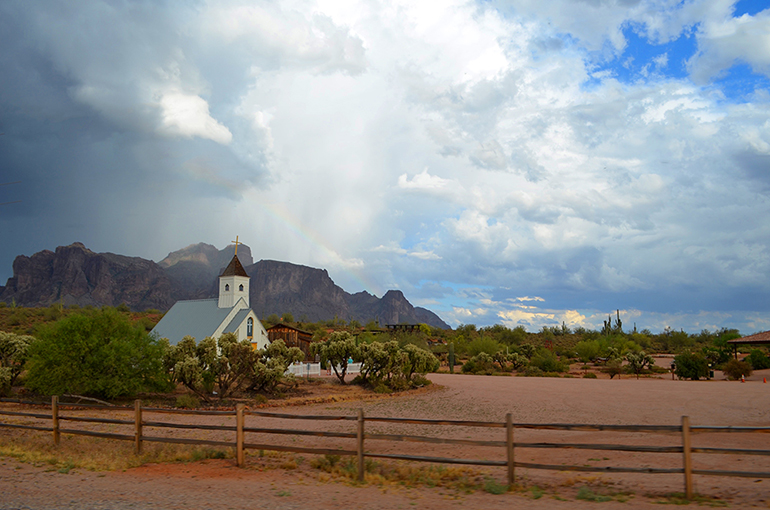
x=521, y=162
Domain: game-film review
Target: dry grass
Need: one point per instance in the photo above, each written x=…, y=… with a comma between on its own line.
x=96, y=454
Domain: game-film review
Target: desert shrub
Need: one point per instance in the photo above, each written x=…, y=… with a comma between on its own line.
x=479, y=364
x=100, y=354
x=691, y=366
x=532, y=371
x=547, y=361
x=613, y=367
x=734, y=369
x=337, y=350
x=13, y=355
x=758, y=360
x=229, y=365
x=587, y=350
x=483, y=344
x=494, y=487
x=527, y=350
x=589, y=375
x=638, y=361
x=188, y=402
x=270, y=364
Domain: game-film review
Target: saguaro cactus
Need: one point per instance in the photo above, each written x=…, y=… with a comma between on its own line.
x=452, y=358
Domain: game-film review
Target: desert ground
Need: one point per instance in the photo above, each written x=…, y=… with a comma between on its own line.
x=279, y=481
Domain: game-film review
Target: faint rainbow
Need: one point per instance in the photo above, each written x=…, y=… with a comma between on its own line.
x=314, y=239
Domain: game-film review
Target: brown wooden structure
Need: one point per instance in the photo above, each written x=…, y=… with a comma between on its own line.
x=756, y=339
x=292, y=337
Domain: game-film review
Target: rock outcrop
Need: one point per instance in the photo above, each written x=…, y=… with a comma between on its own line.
x=76, y=275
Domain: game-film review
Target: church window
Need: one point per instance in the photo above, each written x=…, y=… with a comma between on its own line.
x=240, y=287
x=250, y=328
x=227, y=286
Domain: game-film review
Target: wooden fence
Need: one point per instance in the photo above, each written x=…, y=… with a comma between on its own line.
x=140, y=423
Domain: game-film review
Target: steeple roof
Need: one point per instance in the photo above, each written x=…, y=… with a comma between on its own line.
x=234, y=268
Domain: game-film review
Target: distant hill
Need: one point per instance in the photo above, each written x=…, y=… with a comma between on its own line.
x=75, y=275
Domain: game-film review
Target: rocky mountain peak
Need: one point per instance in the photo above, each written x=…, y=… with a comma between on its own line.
x=76, y=275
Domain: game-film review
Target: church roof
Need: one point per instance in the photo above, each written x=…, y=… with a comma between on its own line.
x=237, y=320
x=234, y=268
x=198, y=318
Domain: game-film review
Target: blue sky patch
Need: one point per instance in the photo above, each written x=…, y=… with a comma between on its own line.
x=740, y=82
x=750, y=7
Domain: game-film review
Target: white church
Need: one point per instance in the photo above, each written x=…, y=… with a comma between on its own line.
x=229, y=313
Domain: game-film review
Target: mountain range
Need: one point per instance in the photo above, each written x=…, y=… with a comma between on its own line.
x=75, y=275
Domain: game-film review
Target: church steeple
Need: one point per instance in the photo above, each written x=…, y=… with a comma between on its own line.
x=233, y=283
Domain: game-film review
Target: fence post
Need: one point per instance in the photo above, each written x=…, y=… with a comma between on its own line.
x=686, y=451
x=509, y=448
x=137, y=426
x=239, y=422
x=360, y=444
x=55, y=419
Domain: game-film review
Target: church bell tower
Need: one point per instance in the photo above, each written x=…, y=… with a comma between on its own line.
x=233, y=283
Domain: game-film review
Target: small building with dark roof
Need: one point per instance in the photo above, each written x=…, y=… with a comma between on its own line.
x=292, y=337
x=229, y=313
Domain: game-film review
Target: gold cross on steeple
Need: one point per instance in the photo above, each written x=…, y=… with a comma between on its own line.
x=236, y=244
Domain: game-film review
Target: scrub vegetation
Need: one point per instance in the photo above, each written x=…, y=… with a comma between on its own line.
x=108, y=353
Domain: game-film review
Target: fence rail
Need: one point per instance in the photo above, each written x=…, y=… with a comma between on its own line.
x=139, y=437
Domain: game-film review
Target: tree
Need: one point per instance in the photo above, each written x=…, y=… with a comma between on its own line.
x=758, y=360
x=417, y=361
x=13, y=356
x=377, y=360
x=229, y=365
x=691, y=366
x=100, y=354
x=501, y=358
x=735, y=369
x=517, y=360
x=233, y=364
x=638, y=361
x=269, y=368
x=337, y=350
x=614, y=367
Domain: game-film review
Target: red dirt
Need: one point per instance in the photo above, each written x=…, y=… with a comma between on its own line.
x=218, y=484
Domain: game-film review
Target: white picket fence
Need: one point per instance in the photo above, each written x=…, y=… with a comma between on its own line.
x=300, y=369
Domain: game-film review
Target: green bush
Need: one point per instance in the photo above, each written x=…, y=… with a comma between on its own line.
x=589, y=375
x=587, y=350
x=613, y=367
x=531, y=371
x=100, y=354
x=187, y=402
x=13, y=355
x=734, y=369
x=547, y=361
x=758, y=360
x=483, y=344
x=691, y=366
x=479, y=364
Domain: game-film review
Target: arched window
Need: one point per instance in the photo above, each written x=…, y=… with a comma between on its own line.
x=249, y=327
x=227, y=286
x=240, y=287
